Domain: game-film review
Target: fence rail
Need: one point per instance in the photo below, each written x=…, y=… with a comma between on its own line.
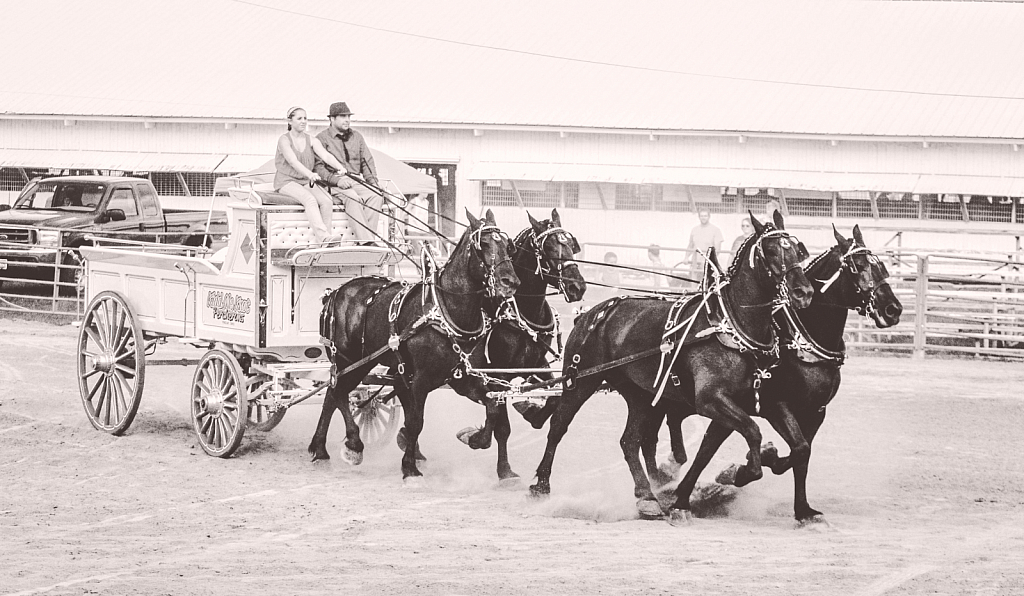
x=960, y=304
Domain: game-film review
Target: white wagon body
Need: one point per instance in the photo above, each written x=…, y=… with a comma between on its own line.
x=255, y=305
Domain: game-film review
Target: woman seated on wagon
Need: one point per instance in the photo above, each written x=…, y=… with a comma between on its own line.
x=296, y=179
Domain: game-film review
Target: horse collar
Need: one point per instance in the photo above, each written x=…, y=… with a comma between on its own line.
x=804, y=345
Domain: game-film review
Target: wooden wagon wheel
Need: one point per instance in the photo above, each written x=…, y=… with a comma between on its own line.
x=220, y=403
x=111, y=363
x=378, y=413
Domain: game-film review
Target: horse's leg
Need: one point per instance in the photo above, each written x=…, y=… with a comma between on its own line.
x=674, y=417
x=716, y=434
x=336, y=398
x=402, y=437
x=802, y=510
x=720, y=407
x=649, y=447
x=480, y=437
x=413, y=402
x=564, y=410
x=496, y=424
x=502, y=431
x=785, y=423
x=636, y=436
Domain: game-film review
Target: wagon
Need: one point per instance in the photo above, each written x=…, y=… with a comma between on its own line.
x=253, y=307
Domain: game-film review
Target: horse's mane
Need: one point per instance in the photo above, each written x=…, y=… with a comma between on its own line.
x=818, y=260
x=734, y=266
x=521, y=236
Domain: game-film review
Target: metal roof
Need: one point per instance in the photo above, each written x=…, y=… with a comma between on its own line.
x=835, y=67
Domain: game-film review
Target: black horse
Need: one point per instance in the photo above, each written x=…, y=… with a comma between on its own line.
x=711, y=366
x=846, y=277
x=429, y=327
x=525, y=326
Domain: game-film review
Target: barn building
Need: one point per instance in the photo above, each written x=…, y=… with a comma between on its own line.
x=904, y=117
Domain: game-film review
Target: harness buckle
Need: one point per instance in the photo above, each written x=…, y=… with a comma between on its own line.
x=393, y=342
x=458, y=373
x=666, y=347
x=675, y=380
x=401, y=368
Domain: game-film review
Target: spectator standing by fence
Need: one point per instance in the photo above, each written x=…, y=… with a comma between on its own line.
x=702, y=237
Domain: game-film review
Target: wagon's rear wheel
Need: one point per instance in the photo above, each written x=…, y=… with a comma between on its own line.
x=220, y=403
x=378, y=414
x=111, y=363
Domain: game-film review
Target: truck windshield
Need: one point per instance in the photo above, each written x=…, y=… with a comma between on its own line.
x=67, y=196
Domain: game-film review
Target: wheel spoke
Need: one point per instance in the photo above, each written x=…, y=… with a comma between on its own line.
x=103, y=323
x=218, y=440
x=126, y=388
x=124, y=370
x=92, y=334
x=106, y=400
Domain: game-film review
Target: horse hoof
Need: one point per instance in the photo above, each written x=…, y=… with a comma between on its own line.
x=745, y=476
x=728, y=475
x=469, y=436
x=414, y=482
x=320, y=455
x=679, y=518
x=510, y=483
x=769, y=454
x=350, y=457
x=539, y=492
x=403, y=443
x=814, y=522
x=649, y=509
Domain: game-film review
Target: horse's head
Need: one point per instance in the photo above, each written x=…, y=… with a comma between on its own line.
x=782, y=255
x=867, y=281
x=555, y=248
x=490, y=263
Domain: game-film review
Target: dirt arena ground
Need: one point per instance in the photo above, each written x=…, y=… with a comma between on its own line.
x=918, y=469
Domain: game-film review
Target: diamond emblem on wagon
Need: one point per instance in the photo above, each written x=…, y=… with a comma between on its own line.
x=246, y=248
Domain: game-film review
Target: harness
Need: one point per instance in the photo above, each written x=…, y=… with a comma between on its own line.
x=717, y=322
x=508, y=311
x=806, y=349
x=436, y=316
x=716, y=308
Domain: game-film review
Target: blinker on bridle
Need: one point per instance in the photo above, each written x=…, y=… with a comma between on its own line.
x=846, y=262
x=538, y=244
x=786, y=240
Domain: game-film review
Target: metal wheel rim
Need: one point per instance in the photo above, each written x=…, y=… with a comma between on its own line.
x=378, y=420
x=220, y=403
x=111, y=363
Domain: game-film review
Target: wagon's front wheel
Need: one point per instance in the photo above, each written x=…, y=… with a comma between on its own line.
x=220, y=403
x=111, y=363
x=378, y=413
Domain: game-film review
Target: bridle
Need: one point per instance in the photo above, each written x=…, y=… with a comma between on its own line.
x=490, y=268
x=552, y=272
x=866, y=295
x=786, y=240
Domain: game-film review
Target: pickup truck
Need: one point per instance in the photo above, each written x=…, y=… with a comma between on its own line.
x=53, y=215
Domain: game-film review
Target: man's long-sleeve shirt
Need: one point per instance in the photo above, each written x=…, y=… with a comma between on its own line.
x=354, y=154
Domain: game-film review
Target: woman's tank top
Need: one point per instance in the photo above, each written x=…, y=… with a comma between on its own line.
x=285, y=172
